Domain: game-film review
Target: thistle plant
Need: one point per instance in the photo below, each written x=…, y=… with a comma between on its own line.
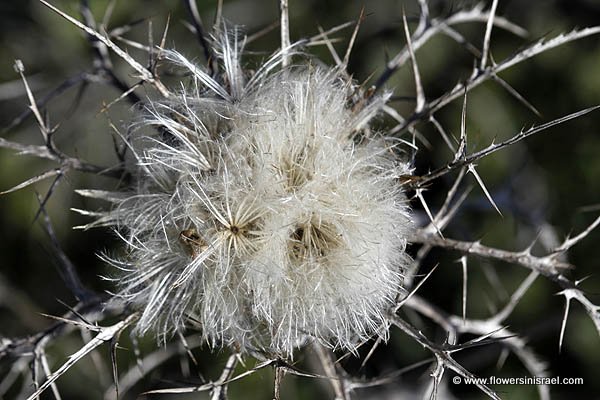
x=277, y=209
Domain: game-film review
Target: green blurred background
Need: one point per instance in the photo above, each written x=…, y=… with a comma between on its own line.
x=552, y=179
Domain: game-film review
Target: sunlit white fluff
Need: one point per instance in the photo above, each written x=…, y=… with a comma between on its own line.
x=265, y=211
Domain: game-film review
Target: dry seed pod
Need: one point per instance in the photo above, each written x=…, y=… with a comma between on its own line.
x=299, y=229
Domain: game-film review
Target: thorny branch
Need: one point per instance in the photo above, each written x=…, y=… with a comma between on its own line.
x=549, y=266
x=105, y=334
x=443, y=355
x=145, y=74
x=429, y=28
x=471, y=159
x=102, y=62
x=49, y=150
x=491, y=328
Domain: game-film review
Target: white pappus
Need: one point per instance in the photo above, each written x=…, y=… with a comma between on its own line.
x=265, y=211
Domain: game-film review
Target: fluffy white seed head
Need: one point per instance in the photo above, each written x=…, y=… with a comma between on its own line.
x=265, y=211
